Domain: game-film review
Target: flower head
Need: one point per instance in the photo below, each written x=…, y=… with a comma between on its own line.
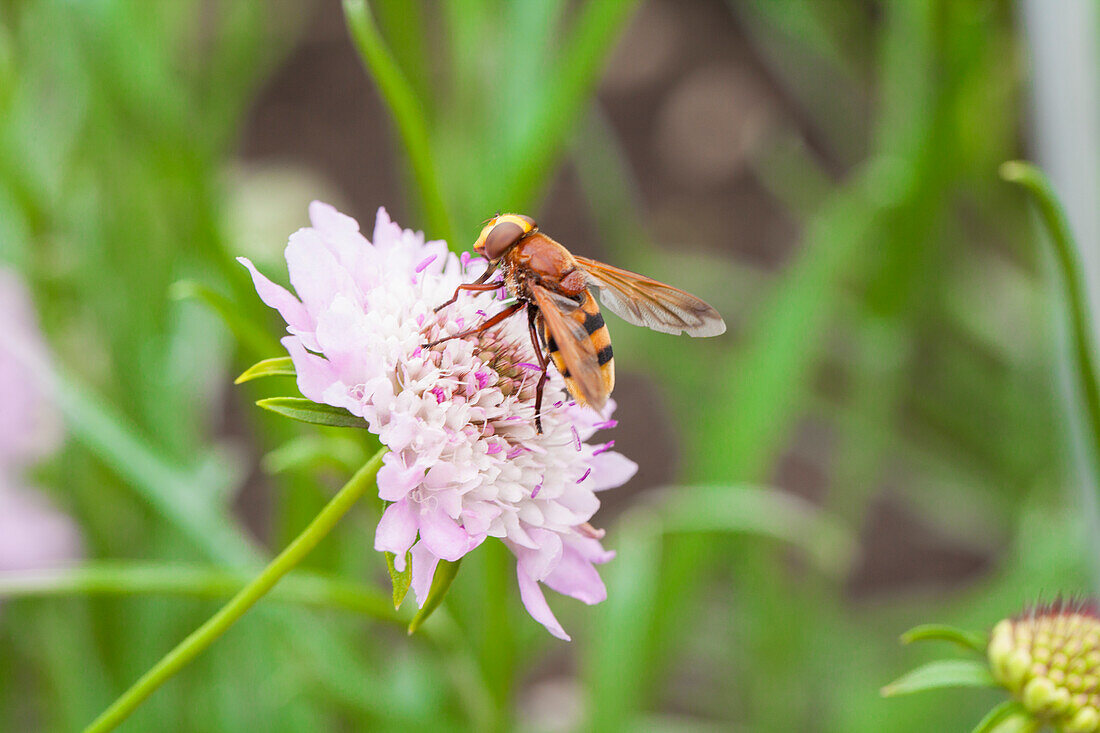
x=465, y=462
x=1049, y=658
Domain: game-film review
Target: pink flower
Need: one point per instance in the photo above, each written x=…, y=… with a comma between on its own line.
x=465, y=460
x=29, y=428
x=32, y=533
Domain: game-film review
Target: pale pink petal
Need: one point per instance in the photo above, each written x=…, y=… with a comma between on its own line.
x=609, y=470
x=396, y=531
x=424, y=563
x=538, y=563
x=279, y=298
x=575, y=576
x=395, y=480
x=443, y=535
x=315, y=273
x=314, y=373
x=535, y=603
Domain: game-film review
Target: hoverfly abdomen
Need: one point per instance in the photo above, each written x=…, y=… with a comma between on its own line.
x=590, y=318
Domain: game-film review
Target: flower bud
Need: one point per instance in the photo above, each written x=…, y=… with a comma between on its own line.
x=1049, y=658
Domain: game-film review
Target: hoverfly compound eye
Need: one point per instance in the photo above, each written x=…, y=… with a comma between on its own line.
x=501, y=239
x=504, y=232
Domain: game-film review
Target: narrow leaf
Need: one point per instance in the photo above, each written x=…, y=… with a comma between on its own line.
x=943, y=632
x=280, y=366
x=1000, y=715
x=401, y=580
x=303, y=410
x=940, y=674
x=444, y=575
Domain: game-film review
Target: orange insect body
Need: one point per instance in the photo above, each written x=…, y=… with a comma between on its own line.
x=565, y=323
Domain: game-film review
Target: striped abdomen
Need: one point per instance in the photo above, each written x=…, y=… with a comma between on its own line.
x=589, y=317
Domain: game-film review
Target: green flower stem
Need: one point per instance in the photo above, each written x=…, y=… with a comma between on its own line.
x=408, y=113
x=140, y=578
x=220, y=622
x=1069, y=262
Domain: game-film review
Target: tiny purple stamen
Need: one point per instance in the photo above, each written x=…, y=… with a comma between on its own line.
x=586, y=472
x=538, y=488
x=425, y=263
x=481, y=313
x=494, y=447
x=604, y=448
x=576, y=437
x=440, y=395
x=529, y=367
x=464, y=258
x=514, y=452
x=420, y=320
x=606, y=424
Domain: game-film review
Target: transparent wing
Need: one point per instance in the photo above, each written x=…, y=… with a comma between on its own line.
x=644, y=301
x=574, y=344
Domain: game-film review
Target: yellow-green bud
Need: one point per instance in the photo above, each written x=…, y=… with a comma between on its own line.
x=1049, y=658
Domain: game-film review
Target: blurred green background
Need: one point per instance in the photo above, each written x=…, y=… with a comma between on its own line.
x=825, y=173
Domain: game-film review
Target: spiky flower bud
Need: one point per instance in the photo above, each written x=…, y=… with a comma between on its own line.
x=1049, y=658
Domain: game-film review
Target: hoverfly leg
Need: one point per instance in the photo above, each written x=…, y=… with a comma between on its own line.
x=544, y=362
x=475, y=285
x=510, y=310
x=478, y=287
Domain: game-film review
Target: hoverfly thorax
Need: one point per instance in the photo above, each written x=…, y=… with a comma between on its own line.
x=501, y=233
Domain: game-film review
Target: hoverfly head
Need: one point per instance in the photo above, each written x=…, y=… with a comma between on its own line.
x=501, y=233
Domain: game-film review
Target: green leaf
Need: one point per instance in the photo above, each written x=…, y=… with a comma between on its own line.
x=444, y=575
x=1008, y=716
x=280, y=366
x=401, y=580
x=940, y=674
x=943, y=632
x=303, y=410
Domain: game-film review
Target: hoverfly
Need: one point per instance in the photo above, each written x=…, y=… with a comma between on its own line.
x=564, y=322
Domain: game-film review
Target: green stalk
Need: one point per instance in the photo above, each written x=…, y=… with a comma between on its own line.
x=220, y=622
x=1069, y=262
x=408, y=113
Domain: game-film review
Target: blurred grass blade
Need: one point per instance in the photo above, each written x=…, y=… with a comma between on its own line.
x=155, y=578
x=308, y=411
x=616, y=654
x=563, y=97
x=942, y=632
x=306, y=451
x=408, y=114
x=940, y=674
x=170, y=490
x=444, y=575
x=1069, y=262
x=252, y=593
x=251, y=335
x=760, y=511
x=997, y=720
x=280, y=366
